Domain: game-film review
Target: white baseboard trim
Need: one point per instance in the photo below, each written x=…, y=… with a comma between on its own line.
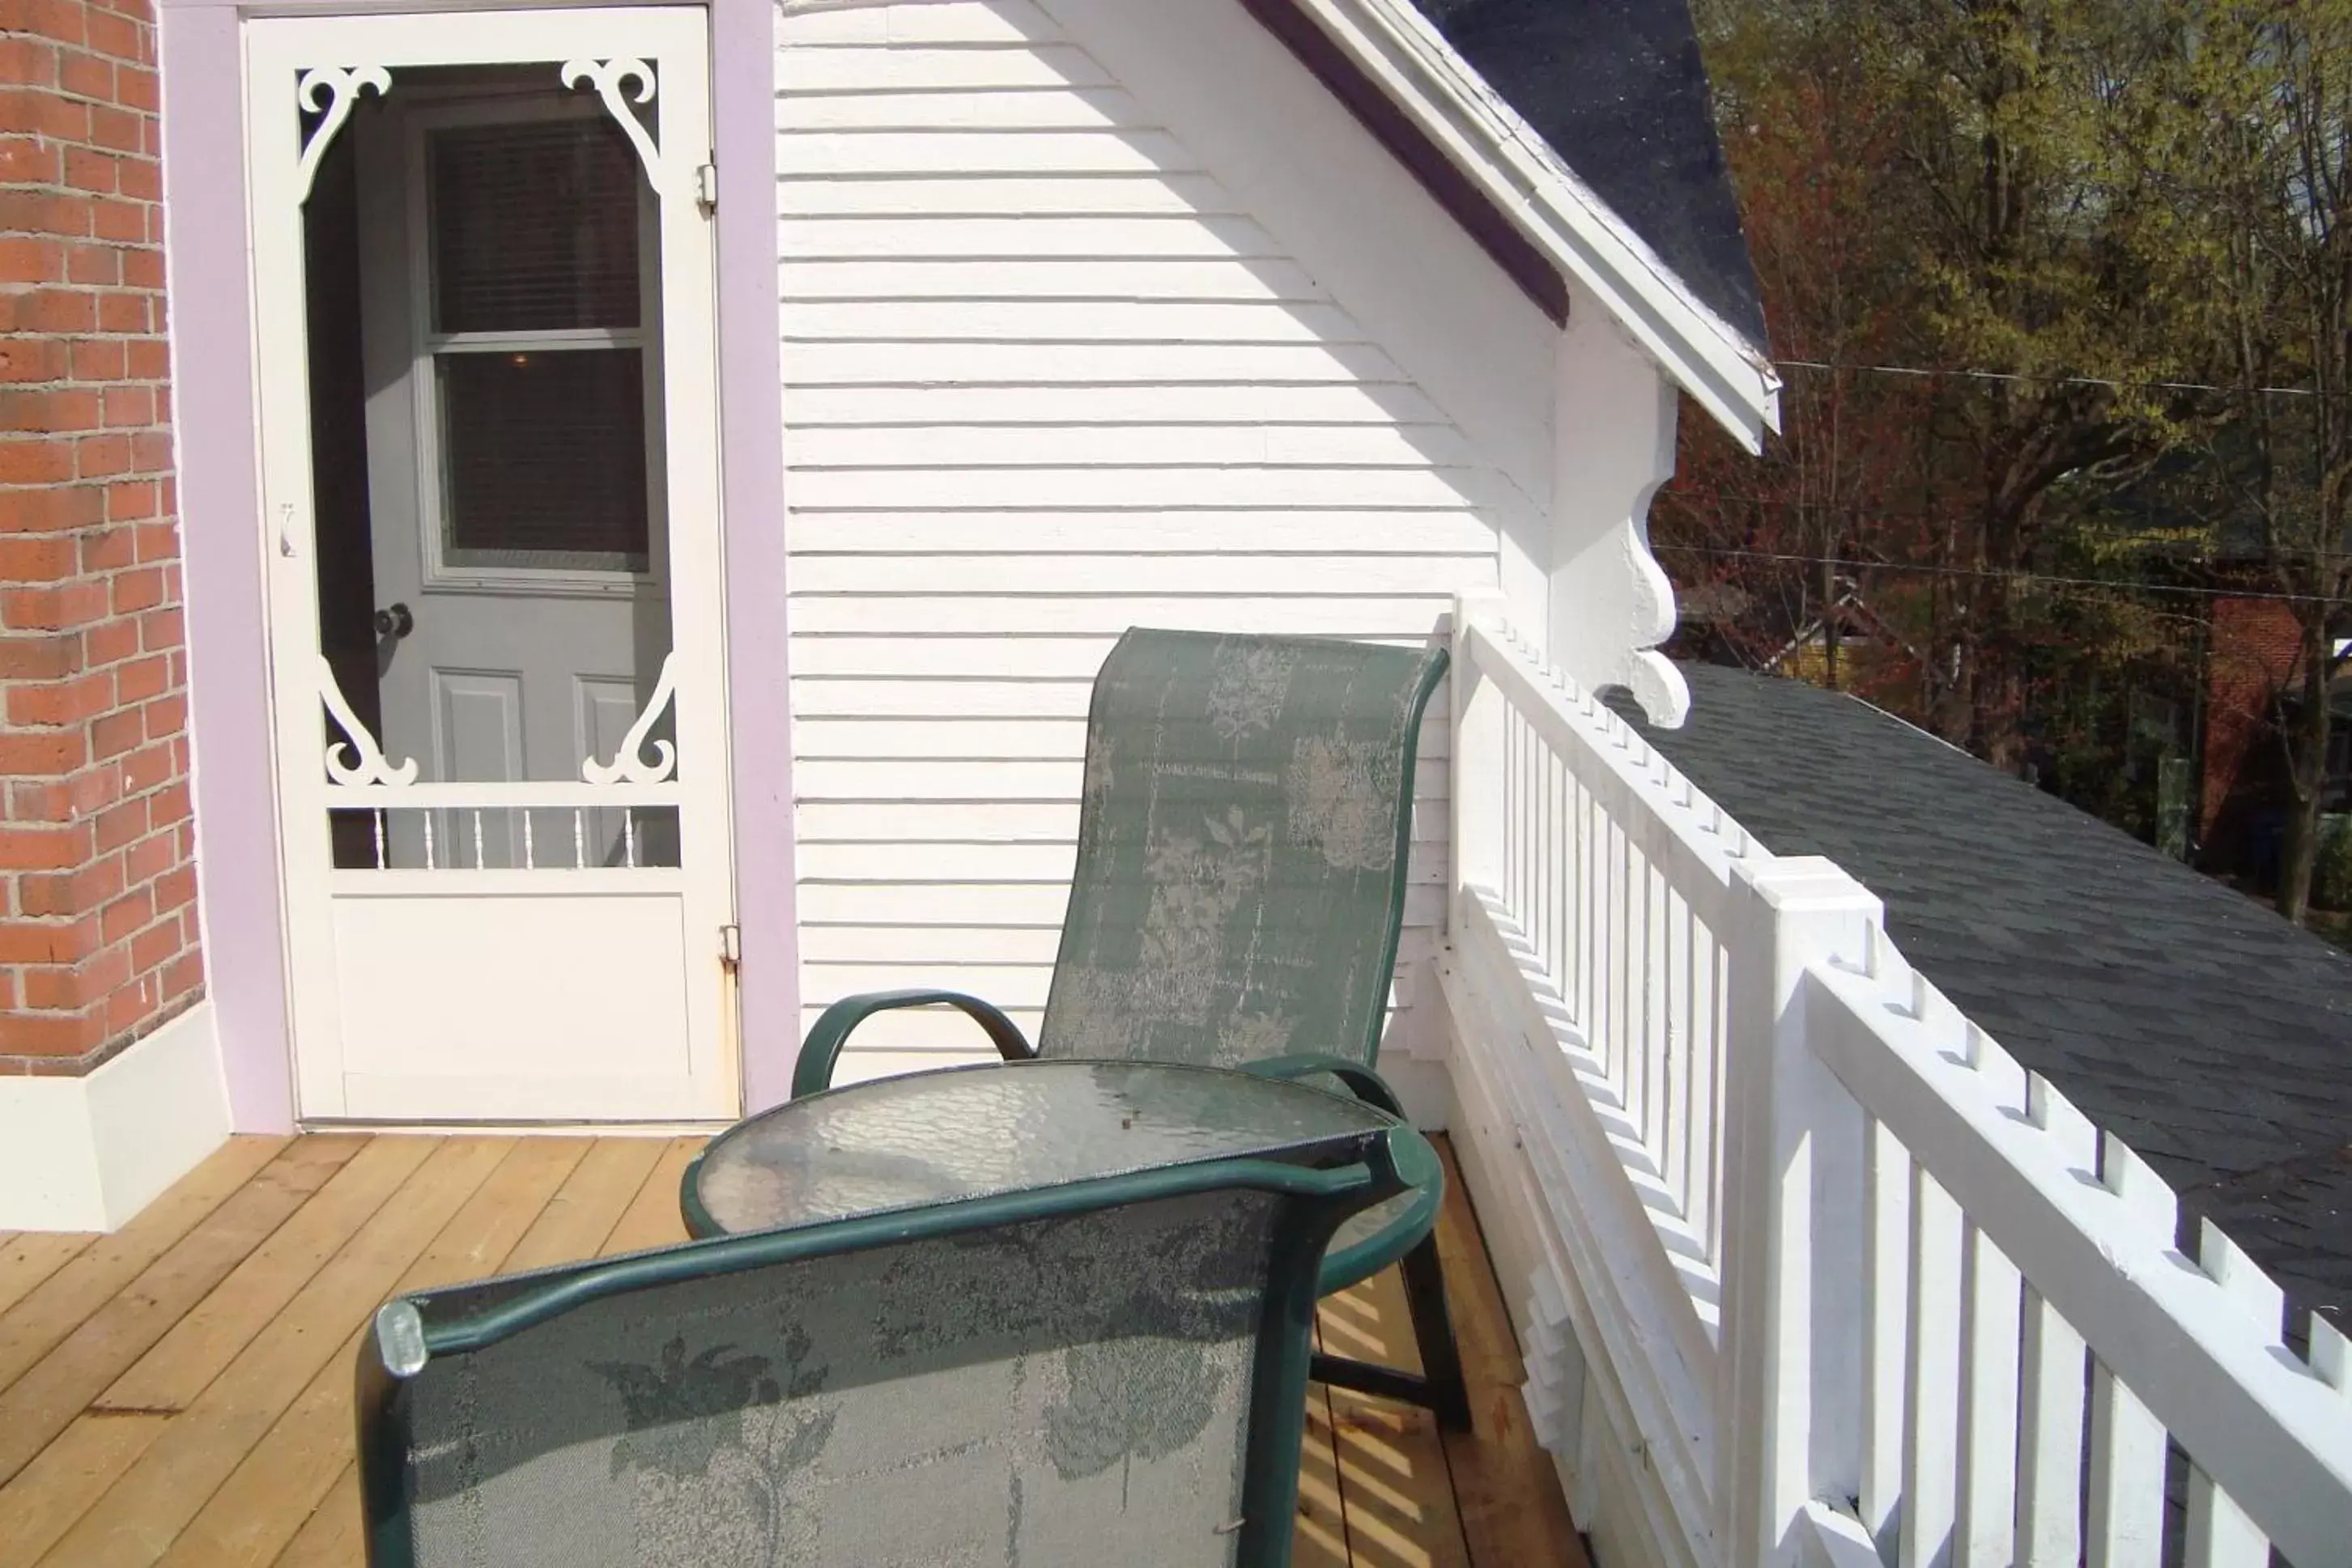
x=86, y=1154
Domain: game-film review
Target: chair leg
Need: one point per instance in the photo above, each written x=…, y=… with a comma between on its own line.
x=1433, y=1329
x=1440, y=1388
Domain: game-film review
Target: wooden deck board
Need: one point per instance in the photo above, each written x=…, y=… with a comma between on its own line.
x=1394, y=1481
x=71, y=1377
x=27, y=1260
x=90, y=1279
x=1506, y=1487
x=225, y=1435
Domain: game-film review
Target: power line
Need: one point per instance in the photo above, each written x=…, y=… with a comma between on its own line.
x=1920, y=514
x=1925, y=372
x=2109, y=583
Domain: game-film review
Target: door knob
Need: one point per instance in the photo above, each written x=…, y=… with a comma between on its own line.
x=394, y=622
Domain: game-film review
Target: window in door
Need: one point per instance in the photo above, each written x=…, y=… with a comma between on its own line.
x=494, y=590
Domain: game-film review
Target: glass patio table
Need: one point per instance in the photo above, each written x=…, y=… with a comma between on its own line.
x=994, y=1127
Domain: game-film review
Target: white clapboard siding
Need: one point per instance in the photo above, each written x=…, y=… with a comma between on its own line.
x=1066, y=155
x=933, y=606
x=826, y=362
x=1145, y=533
x=1042, y=108
x=1115, y=234
x=1174, y=196
x=1046, y=380
x=1102, y=407
x=1222, y=323
x=854, y=573
x=1228, y=447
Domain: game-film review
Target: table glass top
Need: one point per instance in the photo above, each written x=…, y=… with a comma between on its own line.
x=930, y=1137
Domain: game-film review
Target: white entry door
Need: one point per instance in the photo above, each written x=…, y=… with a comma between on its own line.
x=485, y=373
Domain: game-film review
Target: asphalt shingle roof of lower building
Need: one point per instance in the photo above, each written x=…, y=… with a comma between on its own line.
x=2213, y=1037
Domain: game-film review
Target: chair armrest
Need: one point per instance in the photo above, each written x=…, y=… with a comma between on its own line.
x=1362, y=1081
x=822, y=1047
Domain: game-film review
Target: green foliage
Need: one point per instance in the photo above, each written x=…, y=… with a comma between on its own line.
x=2331, y=882
x=2103, y=232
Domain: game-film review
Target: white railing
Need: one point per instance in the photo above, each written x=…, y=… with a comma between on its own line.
x=1815, y=1269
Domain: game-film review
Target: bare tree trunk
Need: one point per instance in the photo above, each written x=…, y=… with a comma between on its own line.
x=2307, y=774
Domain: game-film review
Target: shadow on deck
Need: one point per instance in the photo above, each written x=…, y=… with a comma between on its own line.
x=179, y=1391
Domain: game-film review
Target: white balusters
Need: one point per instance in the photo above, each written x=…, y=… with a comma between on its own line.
x=1931, y=1384
x=1886, y=1306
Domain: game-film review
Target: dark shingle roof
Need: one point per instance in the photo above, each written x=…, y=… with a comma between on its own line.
x=1617, y=89
x=2209, y=1034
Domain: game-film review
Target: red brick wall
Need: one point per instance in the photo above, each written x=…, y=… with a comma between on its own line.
x=2255, y=650
x=97, y=923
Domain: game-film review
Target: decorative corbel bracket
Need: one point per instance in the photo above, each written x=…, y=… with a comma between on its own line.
x=1610, y=603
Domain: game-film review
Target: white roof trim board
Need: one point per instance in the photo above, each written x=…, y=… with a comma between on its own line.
x=1397, y=49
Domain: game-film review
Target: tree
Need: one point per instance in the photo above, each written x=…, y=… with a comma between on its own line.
x=1921, y=188
x=1813, y=138
x=2242, y=121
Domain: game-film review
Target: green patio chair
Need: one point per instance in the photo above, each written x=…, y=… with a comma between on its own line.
x=1108, y=1371
x=1239, y=884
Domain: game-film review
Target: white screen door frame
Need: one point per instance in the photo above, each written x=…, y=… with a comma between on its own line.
x=560, y=989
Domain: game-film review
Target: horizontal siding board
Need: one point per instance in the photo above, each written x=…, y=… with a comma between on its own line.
x=1054, y=278
x=892, y=822
x=825, y=361
x=942, y=738
x=933, y=22
x=889, y=946
x=1105, y=149
x=1128, y=446
x=1060, y=660
x=1008, y=615
x=985, y=195
x=1237, y=533
x=1040, y=109
x=1018, y=324
x=949, y=240
x=892, y=575
x=921, y=70
x=1097, y=407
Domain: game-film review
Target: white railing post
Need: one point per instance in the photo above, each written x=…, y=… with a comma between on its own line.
x=1788, y=1377
x=1475, y=847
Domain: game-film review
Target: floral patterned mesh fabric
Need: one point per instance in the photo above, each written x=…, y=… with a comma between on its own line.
x=1060, y=1394
x=1239, y=888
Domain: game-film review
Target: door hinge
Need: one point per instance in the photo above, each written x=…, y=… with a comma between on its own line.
x=730, y=944
x=705, y=187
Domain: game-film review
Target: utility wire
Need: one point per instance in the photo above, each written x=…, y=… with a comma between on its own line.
x=1920, y=514
x=1925, y=372
x=2109, y=583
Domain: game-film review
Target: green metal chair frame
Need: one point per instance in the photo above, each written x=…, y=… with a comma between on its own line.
x=1132, y=688
x=1319, y=1185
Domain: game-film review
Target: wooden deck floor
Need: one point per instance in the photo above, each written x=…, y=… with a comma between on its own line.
x=179, y=1392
